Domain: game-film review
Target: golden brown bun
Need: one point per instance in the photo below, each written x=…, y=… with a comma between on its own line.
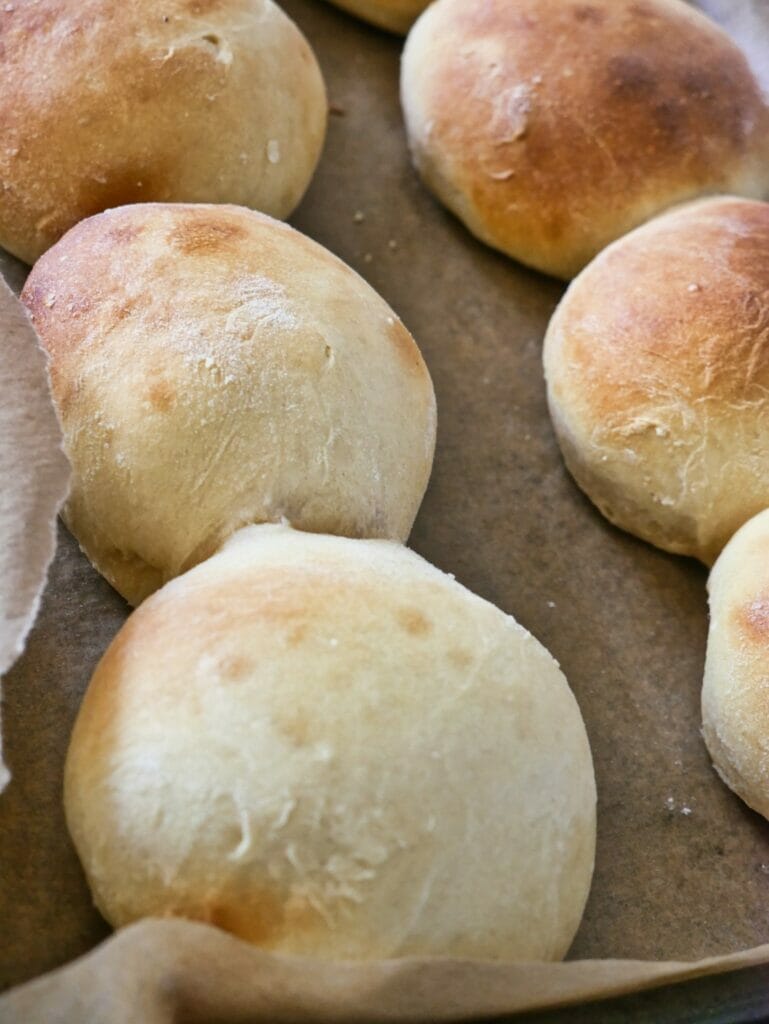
x=105, y=102
x=213, y=367
x=735, y=710
x=657, y=366
x=552, y=127
x=394, y=15
x=328, y=747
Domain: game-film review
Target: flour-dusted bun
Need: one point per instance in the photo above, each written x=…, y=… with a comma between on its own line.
x=105, y=102
x=735, y=710
x=394, y=15
x=552, y=127
x=657, y=366
x=328, y=747
x=212, y=368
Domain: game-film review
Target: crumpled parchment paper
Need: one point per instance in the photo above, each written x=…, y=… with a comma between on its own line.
x=34, y=476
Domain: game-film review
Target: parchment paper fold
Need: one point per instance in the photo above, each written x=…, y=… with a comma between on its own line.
x=33, y=480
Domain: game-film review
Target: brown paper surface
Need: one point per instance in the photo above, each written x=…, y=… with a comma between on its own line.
x=33, y=481
x=682, y=869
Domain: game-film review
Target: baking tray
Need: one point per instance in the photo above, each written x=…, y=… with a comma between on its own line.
x=682, y=867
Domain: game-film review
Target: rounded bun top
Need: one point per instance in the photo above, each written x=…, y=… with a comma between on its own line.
x=105, y=102
x=330, y=748
x=212, y=367
x=552, y=127
x=657, y=362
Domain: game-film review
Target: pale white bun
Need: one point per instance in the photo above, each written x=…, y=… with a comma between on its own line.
x=212, y=368
x=106, y=102
x=735, y=710
x=657, y=367
x=553, y=127
x=393, y=15
x=328, y=747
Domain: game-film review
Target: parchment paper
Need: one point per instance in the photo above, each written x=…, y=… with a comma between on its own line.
x=682, y=866
x=33, y=481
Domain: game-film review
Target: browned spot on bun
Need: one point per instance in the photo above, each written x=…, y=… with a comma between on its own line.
x=460, y=658
x=296, y=635
x=404, y=343
x=236, y=668
x=753, y=620
x=203, y=232
x=414, y=622
x=587, y=12
x=631, y=75
x=121, y=187
x=162, y=396
x=258, y=919
x=123, y=234
x=295, y=727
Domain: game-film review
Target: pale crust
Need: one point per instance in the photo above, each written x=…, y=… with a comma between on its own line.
x=330, y=748
x=105, y=102
x=735, y=694
x=657, y=367
x=393, y=15
x=213, y=367
x=552, y=127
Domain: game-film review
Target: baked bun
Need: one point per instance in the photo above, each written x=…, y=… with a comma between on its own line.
x=657, y=367
x=105, y=102
x=735, y=712
x=553, y=127
x=211, y=368
x=394, y=15
x=328, y=747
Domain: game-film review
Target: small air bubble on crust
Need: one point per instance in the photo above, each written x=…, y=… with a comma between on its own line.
x=359, y=216
x=693, y=287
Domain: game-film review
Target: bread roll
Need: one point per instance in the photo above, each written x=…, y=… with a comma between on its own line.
x=552, y=127
x=328, y=747
x=657, y=366
x=212, y=368
x=735, y=712
x=394, y=15
x=105, y=102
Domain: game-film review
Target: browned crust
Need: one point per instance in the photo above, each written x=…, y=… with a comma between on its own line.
x=657, y=363
x=104, y=103
x=554, y=126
